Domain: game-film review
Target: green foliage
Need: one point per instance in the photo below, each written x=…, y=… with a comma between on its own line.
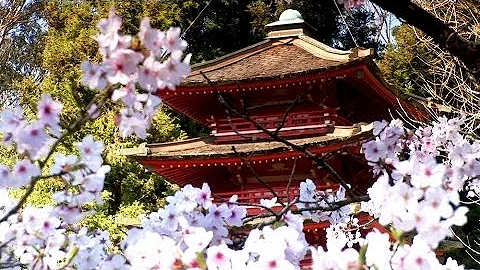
x=403, y=62
x=116, y=224
x=21, y=45
x=261, y=16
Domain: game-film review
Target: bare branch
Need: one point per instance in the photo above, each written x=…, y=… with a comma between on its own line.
x=290, y=178
x=259, y=179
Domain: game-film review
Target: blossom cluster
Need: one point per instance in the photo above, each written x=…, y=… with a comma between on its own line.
x=32, y=139
x=136, y=71
x=418, y=171
x=38, y=238
x=310, y=197
x=84, y=179
x=381, y=253
x=45, y=238
x=421, y=172
x=193, y=233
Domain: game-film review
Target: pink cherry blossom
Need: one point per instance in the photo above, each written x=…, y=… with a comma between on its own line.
x=121, y=65
x=93, y=76
x=218, y=257
x=152, y=38
x=49, y=111
x=91, y=151
x=375, y=150
x=23, y=171
x=204, y=198
x=109, y=37
x=235, y=218
x=173, y=41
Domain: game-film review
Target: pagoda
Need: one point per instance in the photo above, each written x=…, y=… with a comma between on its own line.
x=306, y=92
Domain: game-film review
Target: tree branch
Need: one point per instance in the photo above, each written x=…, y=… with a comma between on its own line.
x=259, y=179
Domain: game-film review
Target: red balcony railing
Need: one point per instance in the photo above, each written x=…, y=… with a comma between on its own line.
x=294, y=125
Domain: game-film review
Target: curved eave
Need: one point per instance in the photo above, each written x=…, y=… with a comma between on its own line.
x=324, y=71
x=181, y=99
x=408, y=105
x=233, y=159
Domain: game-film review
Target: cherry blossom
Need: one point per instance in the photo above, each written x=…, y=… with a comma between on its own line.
x=173, y=41
x=121, y=65
x=153, y=39
x=268, y=203
x=109, y=37
x=417, y=171
x=334, y=259
x=91, y=151
x=204, y=198
x=23, y=171
x=94, y=76
x=162, y=68
x=49, y=112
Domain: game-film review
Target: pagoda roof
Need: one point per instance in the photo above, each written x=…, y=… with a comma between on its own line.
x=274, y=57
x=286, y=58
x=204, y=149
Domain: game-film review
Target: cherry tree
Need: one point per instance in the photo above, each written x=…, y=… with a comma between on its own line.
x=419, y=170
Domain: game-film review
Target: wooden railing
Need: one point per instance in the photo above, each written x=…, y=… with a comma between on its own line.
x=295, y=124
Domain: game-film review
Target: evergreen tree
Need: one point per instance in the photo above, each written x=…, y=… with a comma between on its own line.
x=405, y=60
x=21, y=31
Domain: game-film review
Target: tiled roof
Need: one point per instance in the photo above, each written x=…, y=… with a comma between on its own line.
x=204, y=148
x=274, y=61
x=271, y=59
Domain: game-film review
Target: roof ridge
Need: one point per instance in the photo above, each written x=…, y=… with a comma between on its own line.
x=233, y=60
x=228, y=55
x=323, y=46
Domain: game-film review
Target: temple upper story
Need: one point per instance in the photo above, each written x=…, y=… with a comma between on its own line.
x=320, y=87
x=320, y=99
x=314, y=96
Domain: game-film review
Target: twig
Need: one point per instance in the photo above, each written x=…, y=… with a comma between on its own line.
x=287, y=111
x=333, y=206
x=259, y=179
x=290, y=179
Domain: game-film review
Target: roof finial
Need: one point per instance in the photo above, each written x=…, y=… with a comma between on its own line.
x=289, y=24
x=290, y=15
